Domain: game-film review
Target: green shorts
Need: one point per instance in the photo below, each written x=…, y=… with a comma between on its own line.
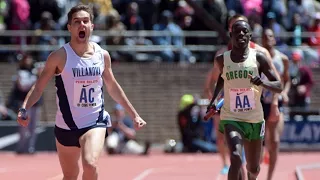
x=251, y=131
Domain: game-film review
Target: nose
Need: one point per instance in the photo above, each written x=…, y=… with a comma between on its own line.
x=82, y=25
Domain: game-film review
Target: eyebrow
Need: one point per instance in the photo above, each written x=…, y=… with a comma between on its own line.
x=76, y=18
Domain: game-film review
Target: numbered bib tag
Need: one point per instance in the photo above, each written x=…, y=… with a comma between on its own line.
x=242, y=99
x=86, y=93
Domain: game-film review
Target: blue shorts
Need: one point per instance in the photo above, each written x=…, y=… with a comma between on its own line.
x=71, y=137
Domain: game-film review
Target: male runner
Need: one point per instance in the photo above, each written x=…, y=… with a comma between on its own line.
x=80, y=67
x=241, y=115
x=212, y=78
x=274, y=124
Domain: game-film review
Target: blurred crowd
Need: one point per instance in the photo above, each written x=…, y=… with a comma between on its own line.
x=289, y=19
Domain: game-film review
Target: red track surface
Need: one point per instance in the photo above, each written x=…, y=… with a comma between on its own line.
x=45, y=166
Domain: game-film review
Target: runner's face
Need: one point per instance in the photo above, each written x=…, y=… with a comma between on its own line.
x=268, y=39
x=80, y=26
x=241, y=34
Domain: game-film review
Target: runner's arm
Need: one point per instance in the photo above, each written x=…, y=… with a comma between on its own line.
x=211, y=79
x=269, y=59
x=37, y=89
x=212, y=76
x=286, y=75
x=114, y=89
x=274, y=84
x=218, y=63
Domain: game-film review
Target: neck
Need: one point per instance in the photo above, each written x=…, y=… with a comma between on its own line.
x=271, y=51
x=80, y=48
x=240, y=53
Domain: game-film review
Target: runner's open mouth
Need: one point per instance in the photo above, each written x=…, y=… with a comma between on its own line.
x=82, y=34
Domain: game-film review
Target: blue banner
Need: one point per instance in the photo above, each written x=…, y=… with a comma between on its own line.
x=302, y=132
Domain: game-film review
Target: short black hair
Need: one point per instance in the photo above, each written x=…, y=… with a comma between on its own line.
x=237, y=16
x=242, y=21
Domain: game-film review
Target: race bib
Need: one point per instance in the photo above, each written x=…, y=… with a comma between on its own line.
x=86, y=93
x=242, y=99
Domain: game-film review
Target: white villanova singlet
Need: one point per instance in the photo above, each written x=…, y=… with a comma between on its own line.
x=79, y=87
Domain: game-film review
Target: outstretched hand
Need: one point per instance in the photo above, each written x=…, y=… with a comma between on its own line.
x=139, y=122
x=23, y=118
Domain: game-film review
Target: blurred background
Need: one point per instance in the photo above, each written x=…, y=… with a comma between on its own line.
x=161, y=52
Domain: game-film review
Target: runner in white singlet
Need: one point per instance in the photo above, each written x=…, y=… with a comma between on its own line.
x=273, y=103
x=80, y=68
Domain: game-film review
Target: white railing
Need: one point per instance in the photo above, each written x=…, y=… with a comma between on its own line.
x=24, y=33
x=148, y=48
x=143, y=33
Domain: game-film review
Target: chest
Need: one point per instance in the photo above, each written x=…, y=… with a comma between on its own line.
x=240, y=71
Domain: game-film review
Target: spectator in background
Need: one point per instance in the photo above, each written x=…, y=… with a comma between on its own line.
x=167, y=24
x=122, y=135
x=134, y=22
x=252, y=5
x=4, y=8
x=314, y=40
x=105, y=5
x=217, y=9
x=99, y=20
x=46, y=23
x=297, y=29
x=309, y=55
x=278, y=7
x=190, y=117
x=305, y=9
x=183, y=15
x=301, y=84
x=234, y=7
x=23, y=82
x=131, y=18
x=6, y=113
x=18, y=19
x=114, y=25
x=255, y=24
x=147, y=12
x=275, y=27
x=37, y=7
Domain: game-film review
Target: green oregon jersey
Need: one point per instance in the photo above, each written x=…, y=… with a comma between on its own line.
x=241, y=98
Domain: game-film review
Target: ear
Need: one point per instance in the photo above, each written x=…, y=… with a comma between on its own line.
x=92, y=26
x=69, y=27
x=250, y=36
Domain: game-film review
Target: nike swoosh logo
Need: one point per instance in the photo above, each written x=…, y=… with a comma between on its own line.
x=86, y=85
x=239, y=93
x=95, y=63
